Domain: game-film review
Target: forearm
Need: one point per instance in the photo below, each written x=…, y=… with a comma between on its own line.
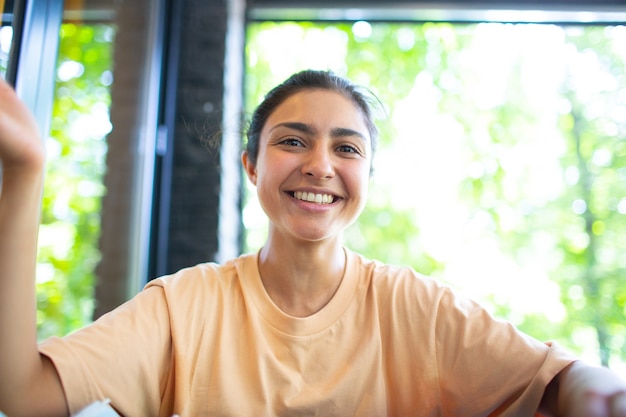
x=19, y=221
x=30, y=382
x=581, y=390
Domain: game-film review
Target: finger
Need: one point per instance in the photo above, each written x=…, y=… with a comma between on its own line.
x=20, y=143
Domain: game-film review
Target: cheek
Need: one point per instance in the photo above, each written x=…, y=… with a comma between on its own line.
x=279, y=167
x=359, y=180
x=268, y=179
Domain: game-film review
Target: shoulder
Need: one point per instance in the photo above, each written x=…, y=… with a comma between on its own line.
x=201, y=280
x=389, y=277
x=201, y=294
x=401, y=289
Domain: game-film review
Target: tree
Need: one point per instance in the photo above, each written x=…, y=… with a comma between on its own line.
x=75, y=165
x=594, y=91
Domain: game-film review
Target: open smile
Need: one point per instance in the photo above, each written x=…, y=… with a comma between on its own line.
x=313, y=197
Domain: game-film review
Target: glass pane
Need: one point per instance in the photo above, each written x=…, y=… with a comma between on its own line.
x=6, y=34
x=92, y=162
x=76, y=151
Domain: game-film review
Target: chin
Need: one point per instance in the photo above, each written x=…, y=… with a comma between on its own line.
x=320, y=237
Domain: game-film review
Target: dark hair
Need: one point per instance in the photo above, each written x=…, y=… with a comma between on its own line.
x=306, y=80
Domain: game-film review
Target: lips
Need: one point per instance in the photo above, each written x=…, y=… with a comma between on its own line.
x=313, y=197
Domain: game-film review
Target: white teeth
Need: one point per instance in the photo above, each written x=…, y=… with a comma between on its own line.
x=314, y=198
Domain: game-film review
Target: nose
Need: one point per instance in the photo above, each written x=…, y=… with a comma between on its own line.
x=319, y=164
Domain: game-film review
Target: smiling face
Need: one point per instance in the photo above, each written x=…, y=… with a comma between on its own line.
x=313, y=164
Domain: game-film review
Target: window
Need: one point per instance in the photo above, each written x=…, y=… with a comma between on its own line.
x=76, y=163
x=502, y=162
x=100, y=132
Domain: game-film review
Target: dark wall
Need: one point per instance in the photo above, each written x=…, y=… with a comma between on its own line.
x=191, y=194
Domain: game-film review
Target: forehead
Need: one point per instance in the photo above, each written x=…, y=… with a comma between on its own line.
x=320, y=108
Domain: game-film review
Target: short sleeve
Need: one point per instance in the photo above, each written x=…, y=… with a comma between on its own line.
x=124, y=356
x=485, y=363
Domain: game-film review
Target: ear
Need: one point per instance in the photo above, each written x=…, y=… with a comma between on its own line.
x=249, y=167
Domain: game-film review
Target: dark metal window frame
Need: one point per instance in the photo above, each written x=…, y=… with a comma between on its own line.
x=459, y=11
x=36, y=26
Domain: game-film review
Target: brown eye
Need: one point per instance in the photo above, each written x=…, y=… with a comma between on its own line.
x=348, y=149
x=291, y=142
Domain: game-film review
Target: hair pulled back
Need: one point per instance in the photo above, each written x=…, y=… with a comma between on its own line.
x=307, y=80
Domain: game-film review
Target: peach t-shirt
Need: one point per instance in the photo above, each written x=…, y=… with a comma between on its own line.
x=208, y=341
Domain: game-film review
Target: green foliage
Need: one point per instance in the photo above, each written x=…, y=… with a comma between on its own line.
x=595, y=131
x=76, y=147
x=6, y=34
x=518, y=131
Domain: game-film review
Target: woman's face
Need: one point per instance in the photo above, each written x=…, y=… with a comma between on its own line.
x=312, y=170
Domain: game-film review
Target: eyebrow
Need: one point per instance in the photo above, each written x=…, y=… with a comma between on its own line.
x=308, y=129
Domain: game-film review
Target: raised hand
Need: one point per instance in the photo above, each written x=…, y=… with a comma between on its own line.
x=21, y=147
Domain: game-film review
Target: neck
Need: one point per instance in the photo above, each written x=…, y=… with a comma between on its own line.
x=302, y=278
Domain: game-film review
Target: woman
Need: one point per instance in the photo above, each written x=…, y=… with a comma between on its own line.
x=303, y=327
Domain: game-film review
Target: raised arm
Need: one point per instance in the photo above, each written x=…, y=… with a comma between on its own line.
x=30, y=385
